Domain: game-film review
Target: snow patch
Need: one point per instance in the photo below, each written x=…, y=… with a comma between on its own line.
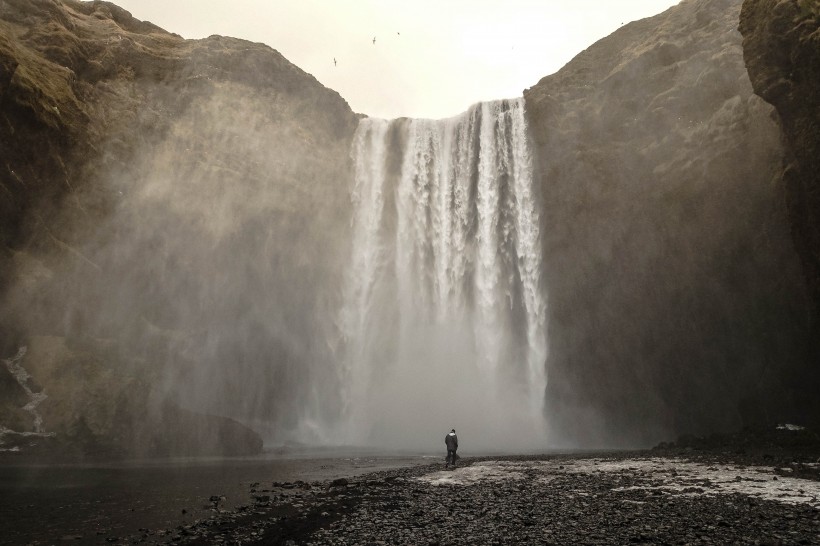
x=789, y=426
x=13, y=365
x=687, y=478
x=669, y=476
x=495, y=471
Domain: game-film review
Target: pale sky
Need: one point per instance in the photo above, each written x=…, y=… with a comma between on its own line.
x=432, y=58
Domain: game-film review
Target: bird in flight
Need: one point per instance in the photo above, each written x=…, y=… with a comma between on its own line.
x=374, y=40
x=334, y=61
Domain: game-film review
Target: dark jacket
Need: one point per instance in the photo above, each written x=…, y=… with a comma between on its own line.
x=452, y=441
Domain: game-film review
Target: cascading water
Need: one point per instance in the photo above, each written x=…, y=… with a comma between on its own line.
x=444, y=317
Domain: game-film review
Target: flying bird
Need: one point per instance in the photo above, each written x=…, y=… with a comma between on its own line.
x=334, y=61
x=374, y=40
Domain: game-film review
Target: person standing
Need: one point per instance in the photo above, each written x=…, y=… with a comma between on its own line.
x=451, y=441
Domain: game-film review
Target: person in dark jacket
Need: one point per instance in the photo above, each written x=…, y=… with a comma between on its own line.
x=451, y=441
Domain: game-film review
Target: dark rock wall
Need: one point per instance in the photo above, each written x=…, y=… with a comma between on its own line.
x=781, y=46
x=170, y=209
x=676, y=302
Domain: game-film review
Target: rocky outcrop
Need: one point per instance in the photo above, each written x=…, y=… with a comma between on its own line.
x=171, y=206
x=781, y=46
x=676, y=302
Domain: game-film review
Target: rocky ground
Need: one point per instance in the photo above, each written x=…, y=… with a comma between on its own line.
x=698, y=491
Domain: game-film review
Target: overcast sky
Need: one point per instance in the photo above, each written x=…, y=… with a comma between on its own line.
x=432, y=58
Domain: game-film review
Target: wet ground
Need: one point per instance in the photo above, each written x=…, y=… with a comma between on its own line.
x=737, y=489
x=93, y=503
x=615, y=499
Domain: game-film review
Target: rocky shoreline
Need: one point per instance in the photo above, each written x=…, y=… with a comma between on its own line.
x=674, y=494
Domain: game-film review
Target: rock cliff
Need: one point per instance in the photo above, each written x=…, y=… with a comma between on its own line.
x=151, y=189
x=173, y=222
x=676, y=303
x=781, y=46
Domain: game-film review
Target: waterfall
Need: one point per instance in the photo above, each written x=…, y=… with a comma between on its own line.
x=443, y=320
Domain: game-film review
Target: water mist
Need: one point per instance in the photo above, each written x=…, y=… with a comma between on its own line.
x=443, y=319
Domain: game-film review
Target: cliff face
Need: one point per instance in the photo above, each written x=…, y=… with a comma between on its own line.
x=781, y=46
x=676, y=303
x=173, y=220
x=152, y=190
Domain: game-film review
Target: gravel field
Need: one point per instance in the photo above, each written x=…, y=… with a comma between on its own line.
x=758, y=487
x=597, y=499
